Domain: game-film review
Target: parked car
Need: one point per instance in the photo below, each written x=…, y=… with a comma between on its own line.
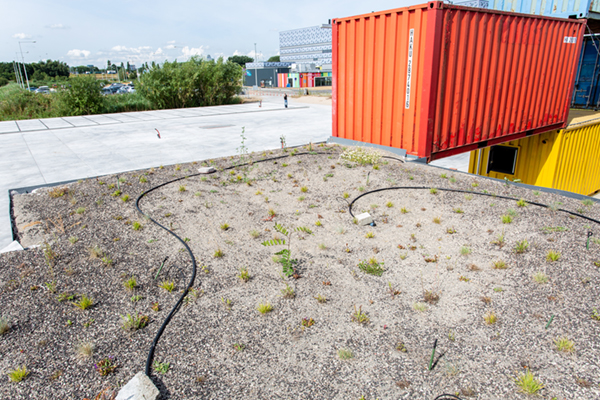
x=42, y=89
x=32, y=88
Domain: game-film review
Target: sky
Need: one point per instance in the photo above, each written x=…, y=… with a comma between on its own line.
x=92, y=32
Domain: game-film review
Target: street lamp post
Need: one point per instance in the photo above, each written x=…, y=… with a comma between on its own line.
x=23, y=59
x=20, y=78
x=255, y=70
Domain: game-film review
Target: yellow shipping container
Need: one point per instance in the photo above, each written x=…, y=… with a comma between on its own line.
x=567, y=159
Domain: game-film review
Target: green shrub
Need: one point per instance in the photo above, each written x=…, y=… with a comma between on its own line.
x=193, y=83
x=83, y=97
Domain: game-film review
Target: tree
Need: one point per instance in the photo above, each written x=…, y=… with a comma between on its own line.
x=240, y=60
x=194, y=83
x=274, y=59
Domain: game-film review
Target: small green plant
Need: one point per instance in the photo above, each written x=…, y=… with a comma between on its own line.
x=420, y=307
x=51, y=286
x=239, y=346
x=490, y=318
x=370, y=235
x=564, y=344
x=553, y=255
x=444, y=176
x=224, y=227
x=522, y=203
x=498, y=289
x=134, y=322
x=389, y=204
x=135, y=298
x=499, y=264
x=359, y=316
x=106, y=365
x=125, y=198
x=540, y=277
x=587, y=202
x=322, y=246
x=361, y=155
x=84, y=303
x=254, y=233
x=73, y=239
x=107, y=260
x=521, y=246
x=458, y=210
x=318, y=223
x=244, y=275
x=345, y=354
x=80, y=210
x=161, y=367
x=433, y=191
x=18, y=374
x=506, y=219
x=130, y=283
x=404, y=210
x=167, y=285
x=450, y=231
x=136, y=226
x=321, y=299
x=346, y=195
x=361, y=188
x=307, y=322
x=304, y=189
x=372, y=267
x=218, y=253
x=499, y=240
x=143, y=179
x=288, y=292
x=155, y=306
x=528, y=383
x=285, y=257
x=465, y=251
x=474, y=184
x=4, y=325
x=401, y=347
x=116, y=193
x=301, y=198
x=264, y=308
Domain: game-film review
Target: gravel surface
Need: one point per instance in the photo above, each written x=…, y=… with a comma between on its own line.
x=219, y=346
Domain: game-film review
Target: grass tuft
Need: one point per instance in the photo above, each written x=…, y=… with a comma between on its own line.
x=264, y=308
x=528, y=383
x=84, y=303
x=18, y=374
x=564, y=344
x=345, y=354
x=169, y=286
x=553, y=255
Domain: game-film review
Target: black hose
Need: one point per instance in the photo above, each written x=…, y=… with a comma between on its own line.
x=468, y=192
x=447, y=397
x=193, y=278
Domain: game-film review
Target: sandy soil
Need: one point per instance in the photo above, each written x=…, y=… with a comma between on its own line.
x=219, y=346
x=322, y=100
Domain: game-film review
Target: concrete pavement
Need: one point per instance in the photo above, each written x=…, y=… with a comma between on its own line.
x=45, y=151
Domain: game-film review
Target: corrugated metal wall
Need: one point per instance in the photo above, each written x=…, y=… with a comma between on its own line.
x=549, y=8
x=564, y=159
x=438, y=79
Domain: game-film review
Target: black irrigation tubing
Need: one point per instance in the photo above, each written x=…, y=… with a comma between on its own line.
x=193, y=278
x=467, y=192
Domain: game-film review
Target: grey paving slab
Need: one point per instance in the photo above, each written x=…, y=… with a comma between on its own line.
x=124, y=117
x=31, y=125
x=56, y=123
x=79, y=121
x=8, y=126
x=102, y=119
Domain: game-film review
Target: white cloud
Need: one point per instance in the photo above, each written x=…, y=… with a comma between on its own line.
x=171, y=41
x=21, y=36
x=170, y=47
x=57, y=26
x=76, y=53
x=192, y=51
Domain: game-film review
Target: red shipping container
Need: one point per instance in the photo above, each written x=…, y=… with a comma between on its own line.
x=438, y=79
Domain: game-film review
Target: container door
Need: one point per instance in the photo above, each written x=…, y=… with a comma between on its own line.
x=586, y=93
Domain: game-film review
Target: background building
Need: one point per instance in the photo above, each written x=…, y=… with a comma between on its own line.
x=264, y=74
x=308, y=48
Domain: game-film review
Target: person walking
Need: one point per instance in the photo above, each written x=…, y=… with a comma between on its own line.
x=285, y=100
